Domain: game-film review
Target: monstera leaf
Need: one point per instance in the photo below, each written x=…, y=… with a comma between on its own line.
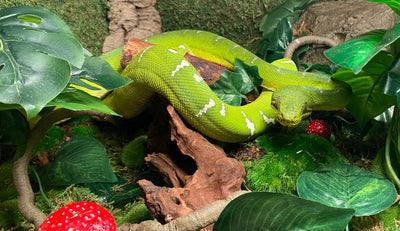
x=36, y=51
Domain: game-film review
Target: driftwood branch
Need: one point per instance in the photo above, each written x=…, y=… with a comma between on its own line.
x=301, y=41
x=213, y=176
x=20, y=170
x=192, y=221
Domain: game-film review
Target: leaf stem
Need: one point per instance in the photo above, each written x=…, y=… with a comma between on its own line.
x=41, y=188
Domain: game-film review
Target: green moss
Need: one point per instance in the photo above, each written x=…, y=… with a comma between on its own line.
x=236, y=20
x=10, y=218
x=50, y=141
x=391, y=218
x=134, y=153
x=84, y=131
x=137, y=212
x=7, y=189
x=287, y=157
x=87, y=19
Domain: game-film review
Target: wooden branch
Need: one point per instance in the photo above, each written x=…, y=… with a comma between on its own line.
x=301, y=41
x=214, y=177
x=192, y=221
x=20, y=170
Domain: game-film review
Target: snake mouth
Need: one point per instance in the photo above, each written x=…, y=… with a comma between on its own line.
x=290, y=118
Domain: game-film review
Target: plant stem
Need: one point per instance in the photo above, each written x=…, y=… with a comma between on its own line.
x=41, y=188
x=20, y=170
x=394, y=124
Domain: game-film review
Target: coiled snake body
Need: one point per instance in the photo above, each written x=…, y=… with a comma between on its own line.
x=288, y=95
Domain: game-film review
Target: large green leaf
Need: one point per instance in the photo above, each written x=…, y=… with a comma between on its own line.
x=273, y=48
x=231, y=87
x=14, y=130
x=98, y=71
x=356, y=53
x=346, y=186
x=36, y=50
x=290, y=10
x=74, y=99
x=390, y=84
x=277, y=211
x=80, y=160
x=367, y=100
x=125, y=193
x=394, y=4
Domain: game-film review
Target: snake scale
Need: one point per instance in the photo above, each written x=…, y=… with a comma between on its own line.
x=288, y=95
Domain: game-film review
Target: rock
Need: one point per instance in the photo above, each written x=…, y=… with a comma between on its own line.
x=134, y=18
x=341, y=21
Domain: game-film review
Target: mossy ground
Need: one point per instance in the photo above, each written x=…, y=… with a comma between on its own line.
x=236, y=20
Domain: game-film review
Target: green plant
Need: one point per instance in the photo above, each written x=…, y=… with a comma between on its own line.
x=328, y=198
x=374, y=75
x=134, y=153
x=286, y=158
x=43, y=65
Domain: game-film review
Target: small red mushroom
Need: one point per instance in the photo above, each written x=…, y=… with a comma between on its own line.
x=84, y=215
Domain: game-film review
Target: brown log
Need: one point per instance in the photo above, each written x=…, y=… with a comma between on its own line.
x=216, y=176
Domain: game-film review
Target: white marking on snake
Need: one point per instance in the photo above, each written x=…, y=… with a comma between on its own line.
x=288, y=61
x=199, y=31
x=236, y=45
x=210, y=104
x=267, y=119
x=252, y=61
x=218, y=38
x=141, y=55
x=182, y=47
x=222, y=111
x=172, y=50
x=183, y=64
x=249, y=124
x=197, y=77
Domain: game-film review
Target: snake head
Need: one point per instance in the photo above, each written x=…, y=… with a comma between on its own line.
x=290, y=105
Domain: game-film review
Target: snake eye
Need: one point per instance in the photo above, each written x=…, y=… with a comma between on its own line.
x=276, y=103
x=305, y=108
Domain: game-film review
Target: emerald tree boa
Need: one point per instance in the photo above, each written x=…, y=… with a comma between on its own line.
x=288, y=95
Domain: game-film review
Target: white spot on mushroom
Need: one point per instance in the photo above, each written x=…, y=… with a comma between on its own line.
x=210, y=104
x=183, y=64
x=250, y=125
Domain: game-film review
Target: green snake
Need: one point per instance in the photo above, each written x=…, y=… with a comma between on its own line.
x=288, y=95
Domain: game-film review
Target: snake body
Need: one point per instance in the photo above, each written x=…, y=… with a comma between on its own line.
x=163, y=69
